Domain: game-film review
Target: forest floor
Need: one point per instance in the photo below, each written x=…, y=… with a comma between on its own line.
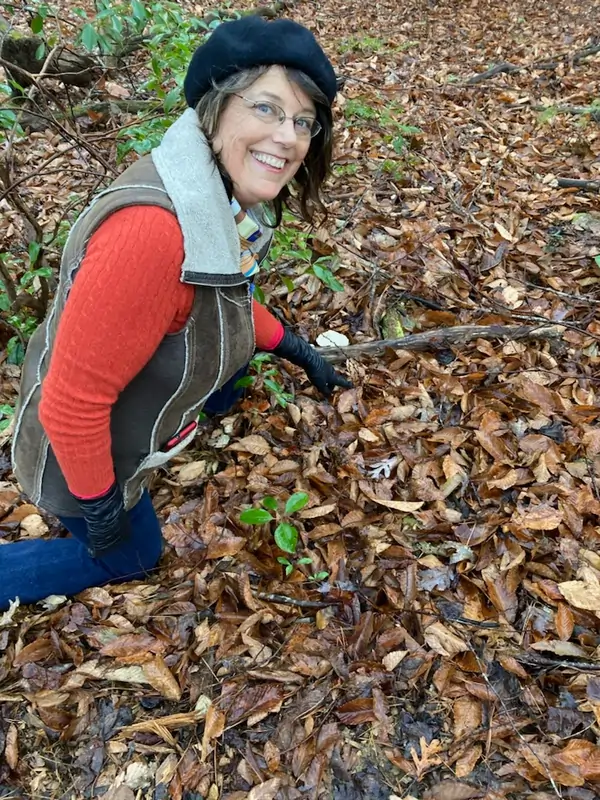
x=442, y=639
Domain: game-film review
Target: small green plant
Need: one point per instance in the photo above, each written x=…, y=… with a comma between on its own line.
x=261, y=364
x=362, y=44
x=343, y=170
x=285, y=534
x=291, y=244
x=6, y=415
x=360, y=109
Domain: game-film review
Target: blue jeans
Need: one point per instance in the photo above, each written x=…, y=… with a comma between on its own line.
x=32, y=569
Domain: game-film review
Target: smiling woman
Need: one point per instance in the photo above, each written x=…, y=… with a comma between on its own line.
x=154, y=319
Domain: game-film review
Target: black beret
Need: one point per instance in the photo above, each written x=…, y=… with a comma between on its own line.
x=250, y=42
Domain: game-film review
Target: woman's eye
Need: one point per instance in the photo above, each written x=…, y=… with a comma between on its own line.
x=304, y=124
x=266, y=109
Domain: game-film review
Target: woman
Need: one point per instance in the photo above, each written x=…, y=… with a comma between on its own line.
x=153, y=318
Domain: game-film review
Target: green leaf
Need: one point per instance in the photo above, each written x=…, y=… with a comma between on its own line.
x=288, y=283
x=34, y=251
x=41, y=49
x=327, y=277
x=37, y=24
x=139, y=11
x=171, y=100
x=259, y=295
x=320, y=576
x=597, y=260
x=296, y=502
x=273, y=386
x=242, y=383
x=283, y=560
x=286, y=537
x=89, y=37
x=255, y=516
x=269, y=502
x=304, y=561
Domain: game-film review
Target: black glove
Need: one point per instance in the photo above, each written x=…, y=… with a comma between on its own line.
x=319, y=371
x=107, y=521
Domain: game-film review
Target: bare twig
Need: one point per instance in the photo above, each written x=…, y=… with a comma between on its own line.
x=576, y=183
x=293, y=601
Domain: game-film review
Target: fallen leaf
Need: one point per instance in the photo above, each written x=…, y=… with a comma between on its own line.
x=564, y=622
x=253, y=444
x=160, y=677
x=581, y=594
x=213, y=728
x=11, y=748
x=443, y=641
x=266, y=790
x=355, y=712
x=396, y=505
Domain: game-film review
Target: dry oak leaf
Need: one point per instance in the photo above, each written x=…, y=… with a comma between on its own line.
x=540, y=518
x=584, y=593
x=443, y=641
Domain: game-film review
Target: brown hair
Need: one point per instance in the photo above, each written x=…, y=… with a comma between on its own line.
x=317, y=164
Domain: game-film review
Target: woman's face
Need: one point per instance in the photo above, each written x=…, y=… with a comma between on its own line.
x=261, y=157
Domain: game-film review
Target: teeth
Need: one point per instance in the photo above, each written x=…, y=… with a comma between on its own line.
x=271, y=161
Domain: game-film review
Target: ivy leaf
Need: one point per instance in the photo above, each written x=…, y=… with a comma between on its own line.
x=286, y=537
x=89, y=37
x=255, y=516
x=296, y=502
x=269, y=502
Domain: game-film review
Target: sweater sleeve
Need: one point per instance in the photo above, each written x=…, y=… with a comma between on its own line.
x=268, y=329
x=124, y=299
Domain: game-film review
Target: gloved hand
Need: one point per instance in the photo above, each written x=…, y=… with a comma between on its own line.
x=107, y=521
x=319, y=371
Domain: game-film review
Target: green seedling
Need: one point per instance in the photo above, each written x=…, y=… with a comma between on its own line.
x=285, y=533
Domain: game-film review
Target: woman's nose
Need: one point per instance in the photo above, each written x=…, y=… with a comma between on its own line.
x=285, y=132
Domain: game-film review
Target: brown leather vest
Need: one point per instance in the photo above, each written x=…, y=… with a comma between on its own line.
x=169, y=392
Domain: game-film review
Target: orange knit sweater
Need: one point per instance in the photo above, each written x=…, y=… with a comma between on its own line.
x=126, y=297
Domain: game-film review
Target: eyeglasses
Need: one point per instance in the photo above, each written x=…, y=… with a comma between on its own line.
x=272, y=114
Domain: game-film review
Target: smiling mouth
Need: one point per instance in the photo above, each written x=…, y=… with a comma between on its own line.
x=269, y=161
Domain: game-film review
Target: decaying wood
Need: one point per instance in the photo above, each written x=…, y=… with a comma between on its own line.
x=441, y=338
x=18, y=57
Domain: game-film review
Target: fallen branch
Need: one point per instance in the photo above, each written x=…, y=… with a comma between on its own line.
x=576, y=183
x=553, y=63
x=592, y=111
x=441, y=338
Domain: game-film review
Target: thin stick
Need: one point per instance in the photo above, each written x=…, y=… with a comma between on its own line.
x=292, y=601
